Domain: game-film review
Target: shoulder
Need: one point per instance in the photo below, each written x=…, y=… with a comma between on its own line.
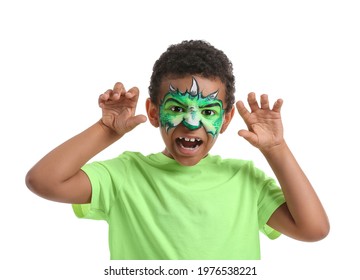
x=121, y=162
x=240, y=167
x=127, y=156
x=132, y=156
x=231, y=163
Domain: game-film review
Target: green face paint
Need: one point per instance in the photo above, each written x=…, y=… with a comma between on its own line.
x=192, y=109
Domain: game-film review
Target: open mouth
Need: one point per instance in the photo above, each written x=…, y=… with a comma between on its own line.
x=189, y=143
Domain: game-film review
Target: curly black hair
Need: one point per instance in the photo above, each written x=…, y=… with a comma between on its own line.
x=194, y=57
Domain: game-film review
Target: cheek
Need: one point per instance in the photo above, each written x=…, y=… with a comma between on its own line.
x=212, y=126
x=169, y=120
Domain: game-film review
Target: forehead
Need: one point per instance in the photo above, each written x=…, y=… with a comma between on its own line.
x=206, y=86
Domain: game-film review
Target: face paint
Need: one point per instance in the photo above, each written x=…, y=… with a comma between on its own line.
x=192, y=109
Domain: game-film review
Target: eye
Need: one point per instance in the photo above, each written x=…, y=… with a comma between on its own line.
x=208, y=112
x=177, y=109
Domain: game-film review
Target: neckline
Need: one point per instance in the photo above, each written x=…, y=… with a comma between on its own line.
x=165, y=160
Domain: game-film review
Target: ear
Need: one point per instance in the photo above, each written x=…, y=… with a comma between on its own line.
x=152, y=112
x=227, y=119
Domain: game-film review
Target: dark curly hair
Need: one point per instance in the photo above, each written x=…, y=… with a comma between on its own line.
x=194, y=57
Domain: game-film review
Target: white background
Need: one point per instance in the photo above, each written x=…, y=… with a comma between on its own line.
x=56, y=57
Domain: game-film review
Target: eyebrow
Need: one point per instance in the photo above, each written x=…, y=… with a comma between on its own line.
x=174, y=100
x=215, y=104
x=211, y=105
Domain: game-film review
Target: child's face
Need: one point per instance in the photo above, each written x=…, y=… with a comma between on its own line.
x=191, y=114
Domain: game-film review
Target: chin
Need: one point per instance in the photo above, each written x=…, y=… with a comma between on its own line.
x=186, y=157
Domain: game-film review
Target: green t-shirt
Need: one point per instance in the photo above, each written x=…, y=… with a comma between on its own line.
x=158, y=209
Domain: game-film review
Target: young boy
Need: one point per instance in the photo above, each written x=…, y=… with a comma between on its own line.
x=183, y=203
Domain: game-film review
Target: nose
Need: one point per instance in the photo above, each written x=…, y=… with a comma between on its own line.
x=192, y=119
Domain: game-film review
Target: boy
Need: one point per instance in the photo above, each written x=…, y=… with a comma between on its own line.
x=184, y=203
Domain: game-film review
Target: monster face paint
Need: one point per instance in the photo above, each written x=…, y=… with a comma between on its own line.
x=192, y=109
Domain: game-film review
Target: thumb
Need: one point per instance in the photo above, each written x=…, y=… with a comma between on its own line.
x=135, y=121
x=249, y=136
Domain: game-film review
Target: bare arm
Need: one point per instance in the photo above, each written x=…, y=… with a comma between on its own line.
x=302, y=216
x=58, y=175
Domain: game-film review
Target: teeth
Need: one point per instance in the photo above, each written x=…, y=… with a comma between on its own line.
x=190, y=139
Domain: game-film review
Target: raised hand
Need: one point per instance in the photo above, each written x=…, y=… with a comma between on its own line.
x=264, y=124
x=118, y=109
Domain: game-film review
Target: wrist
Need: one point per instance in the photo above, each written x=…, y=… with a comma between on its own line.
x=109, y=131
x=277, y=149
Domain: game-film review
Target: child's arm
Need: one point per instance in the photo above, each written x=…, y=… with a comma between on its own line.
x=302, y=216
x=58, y=176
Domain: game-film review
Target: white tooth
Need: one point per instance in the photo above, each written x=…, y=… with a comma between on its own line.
x=187, y=139
x=192, y=140
x=181, y=138
x=198, y=139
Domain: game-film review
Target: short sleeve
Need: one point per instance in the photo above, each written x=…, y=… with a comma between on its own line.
x=104, y=189
x=270, y=198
